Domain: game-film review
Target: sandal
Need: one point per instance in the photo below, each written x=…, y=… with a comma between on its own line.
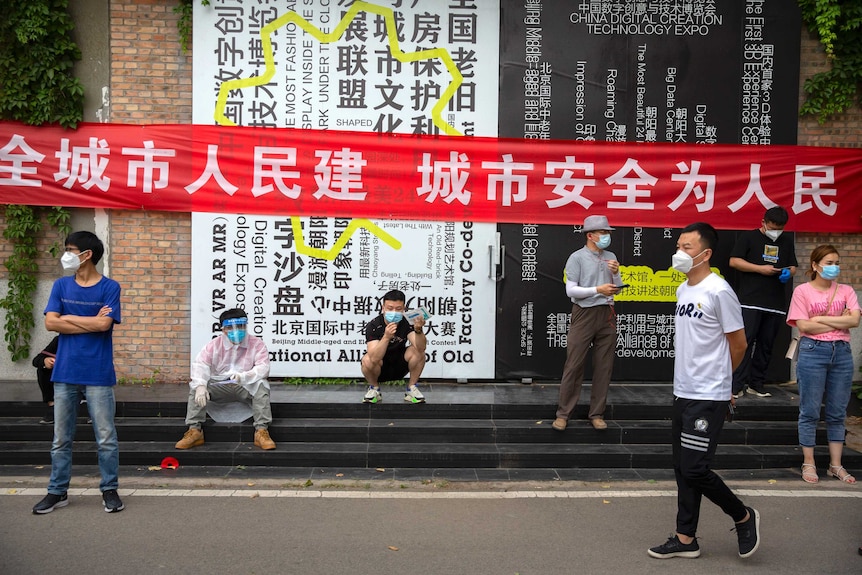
x=836, y=472
x=809, y=473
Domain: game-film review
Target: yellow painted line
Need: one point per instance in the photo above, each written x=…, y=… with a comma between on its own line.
x=343, y=238
x=394, y=46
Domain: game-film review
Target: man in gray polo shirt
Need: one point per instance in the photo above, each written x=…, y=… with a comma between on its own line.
x=592, y=277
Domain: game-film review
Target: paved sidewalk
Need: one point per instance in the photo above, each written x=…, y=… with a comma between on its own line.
x=594, y=529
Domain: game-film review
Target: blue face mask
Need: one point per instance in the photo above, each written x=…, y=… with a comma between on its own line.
x=236, y=335
x=393, y=316
x=604, y=241
x=830, y=272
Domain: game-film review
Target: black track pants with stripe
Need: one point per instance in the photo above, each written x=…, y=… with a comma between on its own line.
x=696, y=427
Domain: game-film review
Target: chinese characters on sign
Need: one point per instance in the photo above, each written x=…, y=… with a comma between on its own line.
x=309, y=286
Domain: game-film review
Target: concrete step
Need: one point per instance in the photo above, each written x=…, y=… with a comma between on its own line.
x=463, y=431
x=418, y=455
x=494, y=426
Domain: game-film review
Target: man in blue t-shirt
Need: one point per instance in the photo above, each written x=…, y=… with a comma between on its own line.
x=83, y=309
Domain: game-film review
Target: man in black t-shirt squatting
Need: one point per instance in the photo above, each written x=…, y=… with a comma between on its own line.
x=389, y=357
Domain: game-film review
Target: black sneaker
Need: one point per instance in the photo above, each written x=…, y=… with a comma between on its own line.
x=113, y=503
x=675, y=548
x=49, y=416
x=748, y=534
x=49, y=503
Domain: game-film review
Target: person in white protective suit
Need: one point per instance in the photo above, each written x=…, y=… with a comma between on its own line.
x=231, y=368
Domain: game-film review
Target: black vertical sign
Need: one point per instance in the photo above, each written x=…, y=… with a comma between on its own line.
x=724, y=71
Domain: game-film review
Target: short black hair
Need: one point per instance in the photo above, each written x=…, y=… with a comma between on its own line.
x=708, y=235
x=87, y=241
x=777, y=216
x=394, y=295
x=232, y=314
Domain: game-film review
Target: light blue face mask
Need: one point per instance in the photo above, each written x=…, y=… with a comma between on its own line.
x=236, y=335
x=604, y=241
x=830, y=272
x=393, y=316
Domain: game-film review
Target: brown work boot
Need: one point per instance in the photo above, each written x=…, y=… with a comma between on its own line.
x=559, y=424
x=192, y=438
x=263, y=440
x=599, y=423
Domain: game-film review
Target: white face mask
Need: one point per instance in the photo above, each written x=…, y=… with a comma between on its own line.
x=683, y=263
x=772, y=234
x=70, y=261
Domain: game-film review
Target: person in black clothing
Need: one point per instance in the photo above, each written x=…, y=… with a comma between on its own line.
x=766, y=260
x=44, y=364
x=388, y=356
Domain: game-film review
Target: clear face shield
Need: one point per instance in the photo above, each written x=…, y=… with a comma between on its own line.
x=235, y=329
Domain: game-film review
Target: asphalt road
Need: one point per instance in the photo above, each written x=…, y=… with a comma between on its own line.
x=472, y=530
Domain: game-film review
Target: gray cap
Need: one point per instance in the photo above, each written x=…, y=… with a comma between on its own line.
x=593, y=223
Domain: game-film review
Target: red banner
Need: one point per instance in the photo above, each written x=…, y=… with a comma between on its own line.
x=355, y=174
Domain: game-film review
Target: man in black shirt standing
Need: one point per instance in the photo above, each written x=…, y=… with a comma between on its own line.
x=388, y=356
x=766, y=260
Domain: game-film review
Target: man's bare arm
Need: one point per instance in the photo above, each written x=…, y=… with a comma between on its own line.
x=738, y=345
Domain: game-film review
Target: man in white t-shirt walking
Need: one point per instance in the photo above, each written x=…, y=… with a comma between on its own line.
x=709, y=343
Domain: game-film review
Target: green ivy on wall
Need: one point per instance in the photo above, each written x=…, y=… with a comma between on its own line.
x=36, y=81
x=23, y=224
x=184, y=25
x=838, y=26
x=36, y=87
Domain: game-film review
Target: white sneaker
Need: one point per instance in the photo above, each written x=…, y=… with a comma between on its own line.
x=752, y=391
x=739, y=393
x=373, y=395
x=413, y=395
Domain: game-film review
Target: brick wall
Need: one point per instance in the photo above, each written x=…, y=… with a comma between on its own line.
x=151, y=83
x=844, y=131
x=151, y=77
x=151, y=251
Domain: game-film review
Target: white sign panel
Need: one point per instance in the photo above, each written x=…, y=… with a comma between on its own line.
x=310, y=285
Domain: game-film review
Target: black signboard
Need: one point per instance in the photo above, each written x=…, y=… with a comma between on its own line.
x=724, y=71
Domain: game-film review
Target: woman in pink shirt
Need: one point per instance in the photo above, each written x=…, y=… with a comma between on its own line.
x=824, y=311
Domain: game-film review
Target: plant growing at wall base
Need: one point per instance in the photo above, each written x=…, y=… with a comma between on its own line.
x=837, y=24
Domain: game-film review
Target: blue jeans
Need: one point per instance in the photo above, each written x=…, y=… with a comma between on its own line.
x=100, y=402
x=824, y=373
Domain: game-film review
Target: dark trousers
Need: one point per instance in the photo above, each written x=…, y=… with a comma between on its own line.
x=696, y=426
x=594, y=326
x=46, y=386
x=761, y=329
